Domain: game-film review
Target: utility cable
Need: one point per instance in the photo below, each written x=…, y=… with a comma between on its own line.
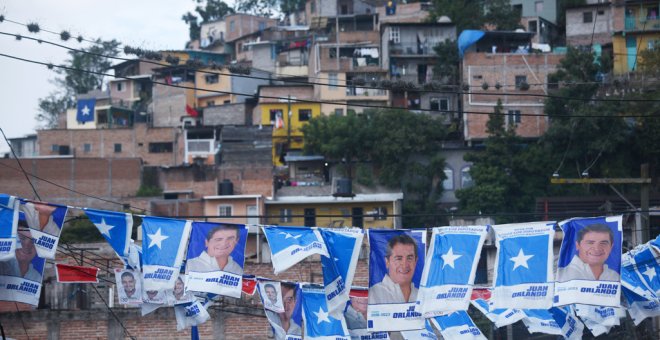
x=282, y=99
x=336, y=85
x=20, y=165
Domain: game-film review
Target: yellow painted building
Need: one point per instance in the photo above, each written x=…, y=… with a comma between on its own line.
x=292, y=115
x=362, y=210
x=639, y=31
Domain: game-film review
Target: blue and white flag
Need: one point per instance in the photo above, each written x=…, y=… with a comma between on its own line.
x=216, y=256
x=290, y=245
x=321, y=322
x=21, y=276
x=571, y=327
x=190, y=314
x=85, y=111
x=541, y=321
x=646, y=265
x=589, y=262
x=598, y=319
x=457, y=325
x=116, y=228
x=343, y=247
x=500, y=317
x=286, y=324
x=134, y=258
x=450, y=269
x=45, y=221
x=523, y=265
x=639, y=300
x=396, y=263
x=8, y=226
x=163, y=246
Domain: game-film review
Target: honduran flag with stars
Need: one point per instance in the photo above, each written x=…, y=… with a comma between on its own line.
x=457, y=325
x=449, y=272
x=164, y=243
x=290, y=245
x=523, y=265
x=85, y=110
x=343, y=246
x=116, y=228
x=321, y=322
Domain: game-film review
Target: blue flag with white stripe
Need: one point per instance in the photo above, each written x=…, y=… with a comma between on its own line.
x=45, y=221
x=321, y=322
x=116, y=228
x=339, y=267
x=290, y=245
x=571, y=327
x=523, y=265
x=501, y=316
x=163, y=246
x=457, y=325
x=418, y=334
x=589, y=262
x=646, y=265
x=85, y=110
x=8, y=226
x=450, y=269
x=639, y=300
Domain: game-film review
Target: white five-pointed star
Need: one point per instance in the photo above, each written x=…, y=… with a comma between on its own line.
x=104, y=228
x=85, y=111
x=157, y=239
x=650, y=272
x=321, y=316
x=289, y=235
x=521, y=260
x=449, y=258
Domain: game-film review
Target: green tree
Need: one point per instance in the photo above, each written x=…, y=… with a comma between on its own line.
x=403, y=146
x=80, y=76
x=475, y=14
x=448, y=63
x=207, y=10
x=269, y=7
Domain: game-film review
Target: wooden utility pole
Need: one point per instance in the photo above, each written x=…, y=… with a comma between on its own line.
x=644, y=181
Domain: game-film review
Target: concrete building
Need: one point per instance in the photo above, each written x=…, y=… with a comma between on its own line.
x=592, y=23
x=499, y=66
x=539, y=17
x=636, y=29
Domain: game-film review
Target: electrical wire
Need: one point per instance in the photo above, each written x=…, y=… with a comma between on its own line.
x=19, y=164
x=280, y=99
x=326, y=84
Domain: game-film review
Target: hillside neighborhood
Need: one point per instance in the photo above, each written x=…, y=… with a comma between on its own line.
x=349, y=113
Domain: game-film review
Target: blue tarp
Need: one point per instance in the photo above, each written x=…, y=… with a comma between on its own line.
x=467, y=39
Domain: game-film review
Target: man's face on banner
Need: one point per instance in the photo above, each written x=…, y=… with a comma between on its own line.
x=178, y=287
x=289, y=298
x=128, y=282
x=271, y=293
x=152, y=294
x=401, y=264
x=594, y=248
x=222, y=243
x=360, y=304
x=27, y=251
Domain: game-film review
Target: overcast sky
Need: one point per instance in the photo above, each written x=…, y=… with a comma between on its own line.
x=151, y=24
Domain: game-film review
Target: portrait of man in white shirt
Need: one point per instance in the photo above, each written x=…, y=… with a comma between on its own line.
x=593, y=247
x=220, y=243
x=401, y=260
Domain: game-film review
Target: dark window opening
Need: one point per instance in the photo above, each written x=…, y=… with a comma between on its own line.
x=161, y=147
x=310, y=217
x=358, y=219
x=304, y=115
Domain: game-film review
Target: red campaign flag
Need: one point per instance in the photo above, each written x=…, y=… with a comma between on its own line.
x=359, y=292
x=249, y=285
x=191, y=112
x=76, y=274
x=480, y=293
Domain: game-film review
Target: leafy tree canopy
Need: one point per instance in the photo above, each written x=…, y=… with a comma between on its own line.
x=76, y=79
x=206, y=10
x=475, y=14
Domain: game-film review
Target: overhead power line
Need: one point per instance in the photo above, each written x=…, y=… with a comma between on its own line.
x=284, y=99
x=394, y=83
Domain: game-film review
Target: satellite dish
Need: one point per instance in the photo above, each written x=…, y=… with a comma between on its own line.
x=444, y=20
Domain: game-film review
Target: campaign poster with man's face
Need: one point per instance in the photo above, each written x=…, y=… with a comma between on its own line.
x=129, y=286
x=395, y=268
x=45, y=222
x=156, y=297
x=20, y=277
x=286, y=323
x=216, y=255
x=271, y=295
x=179, y=294
x=590, y=259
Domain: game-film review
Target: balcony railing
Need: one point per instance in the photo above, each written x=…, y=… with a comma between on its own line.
x=642, y=23
x=412, y=49
x=364, y=92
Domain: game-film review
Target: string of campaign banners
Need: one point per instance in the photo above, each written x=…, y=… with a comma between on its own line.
x=412, y=289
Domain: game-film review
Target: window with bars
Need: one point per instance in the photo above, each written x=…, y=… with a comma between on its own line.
x=224, y=210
